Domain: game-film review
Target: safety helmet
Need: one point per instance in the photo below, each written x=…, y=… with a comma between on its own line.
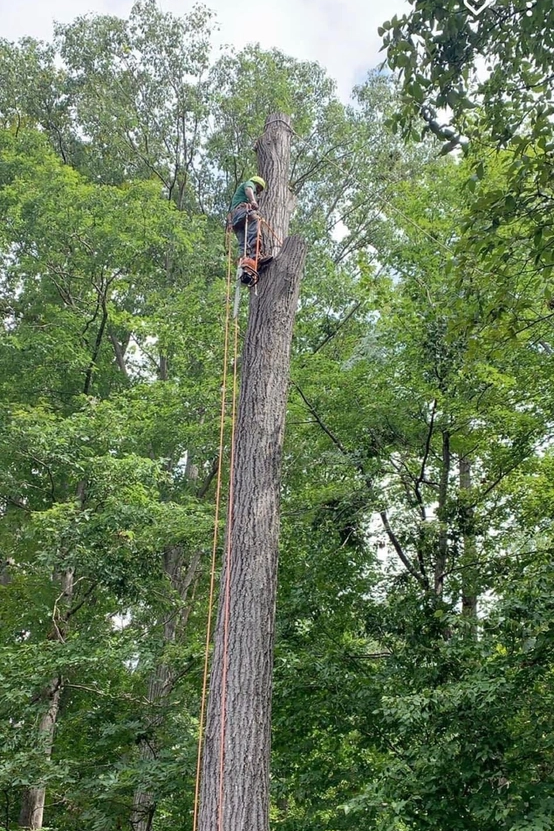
x=259, y=181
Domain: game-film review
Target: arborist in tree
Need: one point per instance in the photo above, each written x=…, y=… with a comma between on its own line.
x=244, y=219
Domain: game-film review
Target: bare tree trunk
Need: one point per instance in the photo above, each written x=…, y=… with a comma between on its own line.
x=32, y=807
x=239, y=799
x=5, y=576
x=469, y=568
x=162, y=680
x=440, y=561
x=119, y=352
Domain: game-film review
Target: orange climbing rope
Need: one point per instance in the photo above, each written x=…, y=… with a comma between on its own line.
x=215, y=537
x=227, y=590
x=270, y=229
x=228, y=547
x=248, y=263
x=258, y=240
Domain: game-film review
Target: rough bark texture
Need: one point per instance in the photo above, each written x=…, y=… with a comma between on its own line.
x=469, y=568
x=252, y=574
x=31, y=815
x=277, y=202
x=32, y=806
x=442, y=553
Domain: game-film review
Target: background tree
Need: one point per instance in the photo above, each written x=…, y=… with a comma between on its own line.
x=504, y=106
x=409, y=691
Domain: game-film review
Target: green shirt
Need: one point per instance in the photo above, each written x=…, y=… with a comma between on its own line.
x=240, y=193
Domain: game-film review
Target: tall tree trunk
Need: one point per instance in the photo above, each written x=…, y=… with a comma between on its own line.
x=239, y=799
x=33, y=799
x=162, y=680
x=469, y=569
x=5, y=576
x=442, y=553
x=32, y=805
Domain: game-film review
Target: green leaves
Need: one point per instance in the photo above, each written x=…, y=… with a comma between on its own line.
x=92, y=481
x=422, y=345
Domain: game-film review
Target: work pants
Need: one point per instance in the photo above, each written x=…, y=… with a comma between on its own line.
x=243, y=229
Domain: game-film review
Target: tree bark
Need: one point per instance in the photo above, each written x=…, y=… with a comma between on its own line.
x=119, y=353
x=469, y=568
x=32, y=806
x=442, y=553
x=238, y=800
x=5, y=576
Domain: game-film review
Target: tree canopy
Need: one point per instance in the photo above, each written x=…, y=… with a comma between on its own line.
x=415, y=648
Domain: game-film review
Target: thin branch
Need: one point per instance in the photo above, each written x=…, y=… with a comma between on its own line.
x=16, y=502
x=75, y=609
x=440, y=563
x=338, y=327
x=62, y=618
x=421, y=578
x=337, y=442
x=398, y=548
x=372, y=656
x=119, y=354
x=126, y=696
x=97, y=345
x=421, y=477
x=205, y=485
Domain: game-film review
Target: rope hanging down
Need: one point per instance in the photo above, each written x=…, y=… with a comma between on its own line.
x=228, y=557
x=228, y=547
x=216, y=524
x=253, y=257
x=227, y=589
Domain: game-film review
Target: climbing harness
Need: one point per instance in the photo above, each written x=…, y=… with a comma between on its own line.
x=248, y=268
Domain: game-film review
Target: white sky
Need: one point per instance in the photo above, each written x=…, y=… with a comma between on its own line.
x=340, y=34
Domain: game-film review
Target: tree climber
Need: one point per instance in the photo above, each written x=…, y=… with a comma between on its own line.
x=244, y=219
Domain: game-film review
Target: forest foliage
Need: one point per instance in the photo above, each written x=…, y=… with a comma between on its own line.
x=415, y=623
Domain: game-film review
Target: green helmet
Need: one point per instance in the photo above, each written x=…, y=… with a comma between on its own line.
x=259, y=181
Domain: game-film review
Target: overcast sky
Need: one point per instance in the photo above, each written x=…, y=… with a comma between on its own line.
x=340, y=34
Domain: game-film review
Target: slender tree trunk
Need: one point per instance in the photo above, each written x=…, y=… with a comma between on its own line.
x=440, y=562
x=243, y=652
x=469, y=569
x=119, y=352
x=5, y=576
x=162, y=680
x=32, y=806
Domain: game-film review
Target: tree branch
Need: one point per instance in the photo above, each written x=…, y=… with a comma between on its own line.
x=421, y=477
x=203, y=489
x=119, y=354
x=325, y=429
x=398, y=548
x=338, y=327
